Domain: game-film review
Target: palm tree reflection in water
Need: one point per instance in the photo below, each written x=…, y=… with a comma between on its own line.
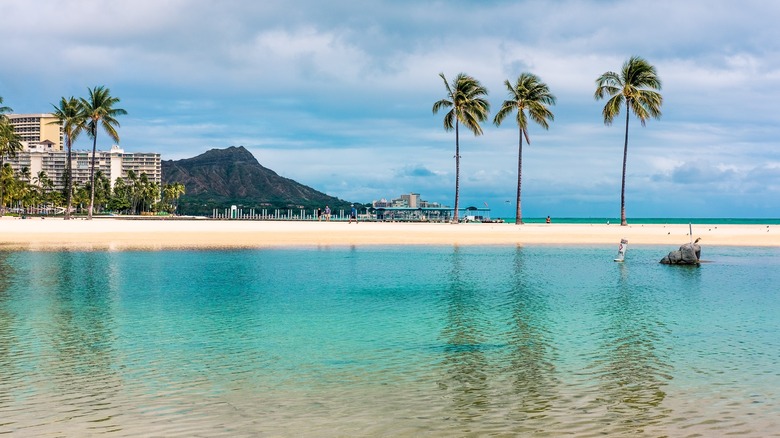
x=464, y=377
x=633, y=367
x=533, y=354
x=83, y=336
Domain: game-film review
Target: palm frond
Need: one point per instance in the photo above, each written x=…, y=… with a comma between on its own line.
x=612, y=108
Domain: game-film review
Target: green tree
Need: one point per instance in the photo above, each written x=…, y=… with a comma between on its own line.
x=3, y=109
x=14, y=186
x=147, y=192
x=44, y=183
x=24, y=174
x=171, y=194
x=81, y=194
x=637, y=86
x=530, y=97
x=99, y=112
x=119, y=201
x=468, y=105
x=24, y=191
x=102, y=192
x=10, y=144
x=71, y=116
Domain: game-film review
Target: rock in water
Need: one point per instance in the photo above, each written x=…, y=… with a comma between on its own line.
x=688, y=254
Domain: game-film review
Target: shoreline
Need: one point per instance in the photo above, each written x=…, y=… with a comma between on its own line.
x=133, y=234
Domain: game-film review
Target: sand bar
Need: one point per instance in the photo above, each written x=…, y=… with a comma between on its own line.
x=120, y=234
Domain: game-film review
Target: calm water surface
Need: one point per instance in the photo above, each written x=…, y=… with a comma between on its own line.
x=367, y=341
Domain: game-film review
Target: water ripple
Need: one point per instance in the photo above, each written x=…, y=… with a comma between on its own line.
x=509, y=341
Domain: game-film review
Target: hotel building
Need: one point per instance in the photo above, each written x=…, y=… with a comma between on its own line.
x=115, y=163
x=42, y=150
x=37, y=131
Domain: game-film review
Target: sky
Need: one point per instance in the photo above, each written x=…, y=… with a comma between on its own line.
x=338, y=95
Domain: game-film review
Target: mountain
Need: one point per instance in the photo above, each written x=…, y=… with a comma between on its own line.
x=220, y=178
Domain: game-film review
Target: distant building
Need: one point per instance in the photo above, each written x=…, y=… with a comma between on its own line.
x=411, y=200
x=114, y=164
x=410, y=207
x=37, y=131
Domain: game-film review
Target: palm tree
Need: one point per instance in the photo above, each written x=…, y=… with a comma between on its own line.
x=531, y=95
x=99, y=111
x=171, y=195
x=70, y=115
x=3, y=109
x=636, y=85
x=44, y=183
x=10, y=144
x=466, y=98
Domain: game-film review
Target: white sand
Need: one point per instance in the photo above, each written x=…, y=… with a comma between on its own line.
x=103, y=233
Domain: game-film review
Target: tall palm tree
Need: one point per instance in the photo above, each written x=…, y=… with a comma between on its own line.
x=99, y=112
x=637, y=86
x=10, y=144
x=71, y=116
x=467, y=103
x=529, y=95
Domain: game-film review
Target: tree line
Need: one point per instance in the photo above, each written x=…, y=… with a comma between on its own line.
x=132, y=194
x=636, y=87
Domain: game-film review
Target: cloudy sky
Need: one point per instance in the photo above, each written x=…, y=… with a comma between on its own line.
x=338, y=94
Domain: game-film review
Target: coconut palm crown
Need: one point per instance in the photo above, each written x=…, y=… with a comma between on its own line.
x=99, y=112
x=71, y=116
x=530, y=97
x=637, y=86
x=468, y=106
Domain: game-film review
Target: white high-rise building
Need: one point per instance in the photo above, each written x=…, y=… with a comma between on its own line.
x=115, y=163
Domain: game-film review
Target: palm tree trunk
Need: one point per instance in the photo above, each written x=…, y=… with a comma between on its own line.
x=519, y=210
x=457, y=173
x=623, y=187
x=69, y=187
x=92, y=175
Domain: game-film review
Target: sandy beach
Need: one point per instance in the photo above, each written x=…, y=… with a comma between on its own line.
x=119, y=234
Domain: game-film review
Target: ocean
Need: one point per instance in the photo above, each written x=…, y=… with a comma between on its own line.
x=650, y=220
x=443, y=341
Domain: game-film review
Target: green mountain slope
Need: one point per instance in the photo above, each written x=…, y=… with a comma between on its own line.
x=220, y=178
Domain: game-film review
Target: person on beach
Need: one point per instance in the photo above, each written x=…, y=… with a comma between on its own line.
x=319, y=214
x=353, y=215
x=549, y=220
x=327, y=213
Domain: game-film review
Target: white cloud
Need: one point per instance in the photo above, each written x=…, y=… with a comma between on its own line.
x=338, y=95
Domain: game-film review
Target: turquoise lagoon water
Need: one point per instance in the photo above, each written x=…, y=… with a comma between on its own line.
x=389, y=341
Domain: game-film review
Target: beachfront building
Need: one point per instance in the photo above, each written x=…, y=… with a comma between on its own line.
x=42, y=150
x=37, y=131
x=411, y=208
x=411, y=200
x=114, y=163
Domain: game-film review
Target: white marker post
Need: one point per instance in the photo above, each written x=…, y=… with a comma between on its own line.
x=622, y=250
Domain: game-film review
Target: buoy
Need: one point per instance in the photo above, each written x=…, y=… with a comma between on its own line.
x=622, y=250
